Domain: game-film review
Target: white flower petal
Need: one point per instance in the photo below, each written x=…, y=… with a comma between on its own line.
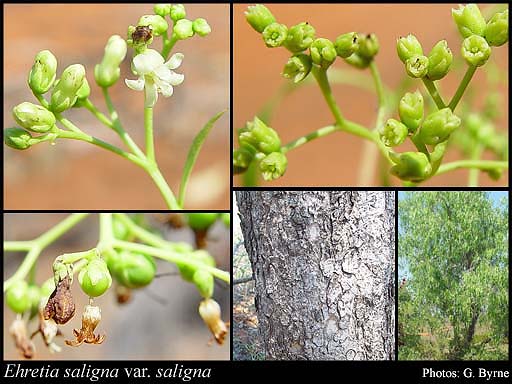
x=151, y=94
x=166, y=89
x=176, y=78
x=136, y=85
x=163, y=73
x=175, y=61
x=147, y=61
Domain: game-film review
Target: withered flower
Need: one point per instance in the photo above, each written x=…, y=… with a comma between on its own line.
x=18, y=330
x=201, y=238
x=123, y=294
x=48, y=330
x=209, y=310
x=60, y=306
x=90, y=319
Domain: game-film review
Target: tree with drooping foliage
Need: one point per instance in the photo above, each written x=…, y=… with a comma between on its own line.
x=453, y=249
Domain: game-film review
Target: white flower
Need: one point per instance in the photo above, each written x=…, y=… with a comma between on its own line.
x=155, y=75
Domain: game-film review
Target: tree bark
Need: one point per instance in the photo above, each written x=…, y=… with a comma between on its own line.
x=323, y=263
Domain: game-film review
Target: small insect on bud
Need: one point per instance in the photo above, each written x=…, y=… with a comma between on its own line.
x=90, y=320
x=142, y=34
x=209, y=310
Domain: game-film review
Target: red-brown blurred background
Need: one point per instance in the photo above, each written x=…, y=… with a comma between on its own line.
x=161, y=321
x=76, y=175
x=335, y=160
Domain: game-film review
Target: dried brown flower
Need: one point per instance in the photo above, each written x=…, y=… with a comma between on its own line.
x=201, y=237
x=90, y=320
x=48, y=330
x=18, y=330
x=60, y=306
x=123, y=294
x=209, y=310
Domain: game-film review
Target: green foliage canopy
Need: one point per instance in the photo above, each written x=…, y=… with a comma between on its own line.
x=454, y=247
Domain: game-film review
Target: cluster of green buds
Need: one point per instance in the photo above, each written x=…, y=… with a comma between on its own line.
x=355, y=48
x=435, y=66
x=149, y=26
x=478, y=34
x=66, y=92
x=435, y=129
x=260, y=142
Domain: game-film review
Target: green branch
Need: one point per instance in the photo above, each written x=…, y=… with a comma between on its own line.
x=462, y=87
x=483, y=165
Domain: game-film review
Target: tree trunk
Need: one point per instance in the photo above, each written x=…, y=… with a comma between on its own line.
x=323, y=263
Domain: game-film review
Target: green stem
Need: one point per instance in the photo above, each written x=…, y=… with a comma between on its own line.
x=117, y=126
x=434, y=93
x=322, y=80
x=484, y=165
x=14, y=246
x=100, y=116
x=369, y=156
x=106, y=231
x=70, y=258
x=173, y=257
x=462, y=87
x=151, y=238
x=164, y=188
x=100, y=143
x=168, y=45
x=309, y=137
x=148, y=127
x=473, y=173
x=40, y=243
x=420, y=145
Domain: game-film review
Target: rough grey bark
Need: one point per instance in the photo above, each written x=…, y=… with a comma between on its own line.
x=323, y=263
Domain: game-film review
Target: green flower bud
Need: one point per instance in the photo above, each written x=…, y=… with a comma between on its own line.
x=162, y=9
x=177, y=12
x=201, y=27
x=107, y=72
x=417, y=66
x=346, y=44
x=201, y=220
x=274, y=35
x=299, y=37
x=17, y=138
x=496, y=31
x=204, y=282
x=17, y=297
x=183, y=29
x=368, y=46
x=439, y=60
x=438, y=126
x=34, y=296
x=95, y=278
x=226, y=218
x=475, y=50
x=410, y=166
x=259, y=17
x=298, y=67
x=410, y=110
x=33, y=117
x=407, y=47
x=133, y=270
x=469, y=20
x=157, y=23
x=495, y=174
x=82, y=94
x=481, y=130
x=200, y=256
x=258, y=135
x=323, y=52
x=47, y=288
x=393, y=133
x=242, y=158
x=43, y=72
x=273, y=166
x=357, y=61
x=64, y=93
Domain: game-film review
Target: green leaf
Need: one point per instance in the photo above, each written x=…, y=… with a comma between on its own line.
x=193, y=153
